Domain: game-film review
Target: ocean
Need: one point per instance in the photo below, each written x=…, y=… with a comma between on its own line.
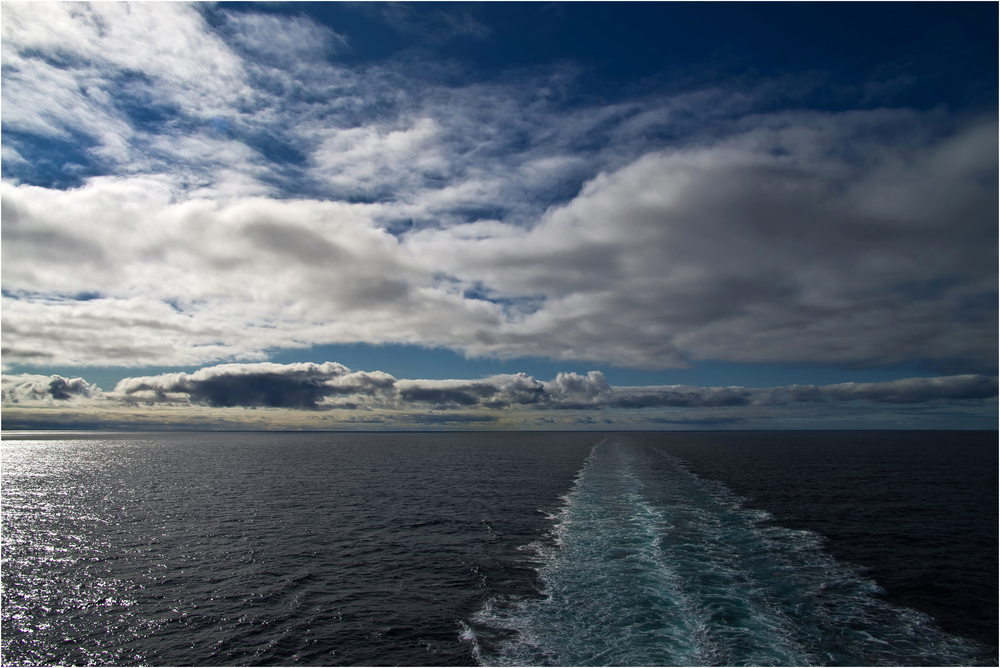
x=695, y=548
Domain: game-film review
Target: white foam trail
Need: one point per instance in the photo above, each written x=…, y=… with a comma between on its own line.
x=652, y=565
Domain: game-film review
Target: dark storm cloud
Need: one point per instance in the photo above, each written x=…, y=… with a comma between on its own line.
x=298, y=386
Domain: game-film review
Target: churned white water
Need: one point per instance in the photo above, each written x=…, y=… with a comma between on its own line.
x=652, y=565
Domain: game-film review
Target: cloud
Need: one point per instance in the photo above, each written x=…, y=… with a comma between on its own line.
x=299, y=386
x=371, y=161
x=282, y=42
x=695, y=421
x=572, y=390
x=239, y=190
x=446, y=418
x=682, y=397
x=70, y=67
x=435, y=26
x=327, y=386
x=566, y=391
x=47, y=390
x=331, y=396
x=946, y=389
x=906, y=391
x=742, y=252
x=448, y=394
x=588, y=420
x=678, y=256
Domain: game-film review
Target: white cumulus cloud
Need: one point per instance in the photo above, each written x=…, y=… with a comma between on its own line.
x=266, y=195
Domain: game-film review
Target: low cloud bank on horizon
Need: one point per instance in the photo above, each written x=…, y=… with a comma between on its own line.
x=331, y=387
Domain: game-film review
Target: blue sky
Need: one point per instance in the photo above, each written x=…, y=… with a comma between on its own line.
x=524, y=215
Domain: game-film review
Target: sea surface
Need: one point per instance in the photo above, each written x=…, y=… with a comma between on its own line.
x=710, y=548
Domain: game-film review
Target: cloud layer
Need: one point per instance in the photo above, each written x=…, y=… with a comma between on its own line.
x=35, y=389
x=223, y=186
x=332, y=386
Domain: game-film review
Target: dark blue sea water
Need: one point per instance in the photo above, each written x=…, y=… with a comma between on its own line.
x=766, y=548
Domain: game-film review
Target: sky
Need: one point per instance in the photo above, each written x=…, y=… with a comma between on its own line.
x=352, y=216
